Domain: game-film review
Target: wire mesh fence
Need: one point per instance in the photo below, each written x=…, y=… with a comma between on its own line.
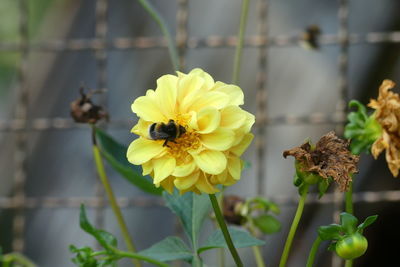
x=20, y=125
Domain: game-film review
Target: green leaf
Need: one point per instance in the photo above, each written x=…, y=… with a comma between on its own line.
x=106, y=239
x=367, y=222
x=330, y=232
x=115, y=154
x=297, y=181
x=332, y=246
x=240, y=238
x=348, y=222
x=362, y=110
x=191, y=209
x=170, y=248
x=361, y=129
x=267, y=224
x=260, y=203
x=323, y=186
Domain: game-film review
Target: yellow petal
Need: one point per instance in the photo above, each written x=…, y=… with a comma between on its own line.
x=208, y=80
x=221, y=139
x=142, y=128
x=142, y=150
x=244, y=129
x=168, y=184
x=204, y=185
x=234, y=167
x=188, y=91
x=239, y=149
x=148, y=109
x=147, y=168
x=183, y=183
x=192, y=123
x=232, y=117
x=184, y=169
x=191, y=189
x=229, y=180
x=250, y=119
x=163, y=167
x=166, y=95
x=208, y=120
x=214, y=99
x=210, y=161
x=181, y=74
x=220, y=178
x=234, y=93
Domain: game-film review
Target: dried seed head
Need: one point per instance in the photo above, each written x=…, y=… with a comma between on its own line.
x=84, y=111
x=330, y=158
x=231, y=210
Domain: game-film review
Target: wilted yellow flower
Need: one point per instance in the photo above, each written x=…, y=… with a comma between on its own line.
x=387, y=114
x=201, y=147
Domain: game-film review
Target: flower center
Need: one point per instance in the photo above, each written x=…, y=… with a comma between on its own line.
x=180, y=147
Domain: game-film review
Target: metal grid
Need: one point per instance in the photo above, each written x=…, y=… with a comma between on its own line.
x=100, y=45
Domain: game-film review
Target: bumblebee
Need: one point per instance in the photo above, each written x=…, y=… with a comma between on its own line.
x=167, y=132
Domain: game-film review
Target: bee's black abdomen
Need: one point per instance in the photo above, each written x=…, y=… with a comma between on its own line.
x=152, y=132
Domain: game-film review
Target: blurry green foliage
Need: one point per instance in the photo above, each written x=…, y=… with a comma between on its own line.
x=10, y=33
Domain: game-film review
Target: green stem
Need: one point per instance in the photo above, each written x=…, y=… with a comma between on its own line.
x=132, y=255
x=113, y=202
x=258, y=257
x=224, y=229
x=141, y=257
x=256, y=249
x=163, y=26
x=349, y=209
x=239, y=46
x=349, y=199
x=196, y=262
x=18, y=258
x=293, y=228
x=349, y=263
x=221, y=257
x=313, y=252
x=221, y=251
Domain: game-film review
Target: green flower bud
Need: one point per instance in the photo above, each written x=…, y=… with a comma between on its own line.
x=309, y=178
x=351, y=246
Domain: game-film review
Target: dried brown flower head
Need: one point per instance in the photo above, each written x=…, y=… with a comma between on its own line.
x=330, y=158
x=84, y=111
x=387, y=114
x=231, y=209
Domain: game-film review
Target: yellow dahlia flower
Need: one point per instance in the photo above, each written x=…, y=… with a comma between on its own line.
x=214, y=133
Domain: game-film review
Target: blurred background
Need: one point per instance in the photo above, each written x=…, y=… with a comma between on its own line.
x=48, y=49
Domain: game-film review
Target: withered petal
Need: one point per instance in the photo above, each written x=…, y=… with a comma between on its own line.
x=387, y=114
x=330, y=158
